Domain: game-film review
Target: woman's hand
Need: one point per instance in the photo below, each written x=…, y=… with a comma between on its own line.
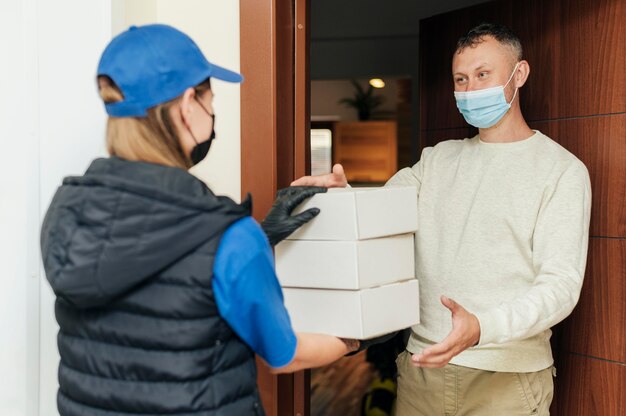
x=279, y=223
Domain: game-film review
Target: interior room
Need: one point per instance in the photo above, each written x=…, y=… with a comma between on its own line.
x=364, y=88
x=364, y=69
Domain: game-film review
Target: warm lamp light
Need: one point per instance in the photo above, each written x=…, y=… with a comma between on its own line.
x=377, y=83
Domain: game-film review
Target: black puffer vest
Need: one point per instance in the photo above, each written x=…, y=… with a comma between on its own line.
x=128, y=249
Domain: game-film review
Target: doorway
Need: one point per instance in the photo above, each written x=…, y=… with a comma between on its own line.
x=286, y=47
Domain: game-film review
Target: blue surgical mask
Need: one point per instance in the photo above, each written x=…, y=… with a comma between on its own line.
x=484, y=108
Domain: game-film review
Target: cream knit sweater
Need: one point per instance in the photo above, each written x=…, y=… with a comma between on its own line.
x=503, y=230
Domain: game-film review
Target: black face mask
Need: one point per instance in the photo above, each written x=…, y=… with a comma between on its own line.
x=199, y=152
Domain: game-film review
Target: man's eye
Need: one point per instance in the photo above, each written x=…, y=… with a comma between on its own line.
x=459, y=80
x=482, y=75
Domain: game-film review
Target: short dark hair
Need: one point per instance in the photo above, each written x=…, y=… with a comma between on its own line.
x=501, y=33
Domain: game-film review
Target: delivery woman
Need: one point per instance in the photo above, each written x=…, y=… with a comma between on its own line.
x=165, y=291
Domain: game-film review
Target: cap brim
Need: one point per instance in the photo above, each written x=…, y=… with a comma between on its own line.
x=225, y=74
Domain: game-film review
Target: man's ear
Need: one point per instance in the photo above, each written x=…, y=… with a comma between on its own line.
x=186, y=107
x=522, y=73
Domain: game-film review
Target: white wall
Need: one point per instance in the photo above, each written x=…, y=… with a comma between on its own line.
x=19, y=352
x=52, y=125
x=71, y=129
x=214, y=25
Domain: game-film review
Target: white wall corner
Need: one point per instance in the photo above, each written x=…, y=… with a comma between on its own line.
x=214, y=25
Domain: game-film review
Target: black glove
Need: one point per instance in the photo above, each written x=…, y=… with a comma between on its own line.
x=279, y=223
x=365, y=344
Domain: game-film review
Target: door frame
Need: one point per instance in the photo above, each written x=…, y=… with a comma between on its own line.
x=275, y=127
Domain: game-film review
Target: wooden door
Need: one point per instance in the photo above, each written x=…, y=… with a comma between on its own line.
x=274, y=137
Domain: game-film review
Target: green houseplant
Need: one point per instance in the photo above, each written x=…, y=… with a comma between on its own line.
x=363, y=100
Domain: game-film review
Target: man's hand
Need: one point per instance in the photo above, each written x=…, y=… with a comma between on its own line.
x=336, y=179
x=279, y=223
x=465, y=333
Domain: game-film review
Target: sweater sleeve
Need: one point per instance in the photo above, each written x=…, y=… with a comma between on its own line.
x=411, y=176
x=559, y=247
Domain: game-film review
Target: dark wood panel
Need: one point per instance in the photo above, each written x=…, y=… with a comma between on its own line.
x=592, y=58
x=597, y=327
x=589, y=387
x=574, y=48
x=538, y=25
x=600, y=142
x=432, y=137
x=438, y=37
x=268, y=386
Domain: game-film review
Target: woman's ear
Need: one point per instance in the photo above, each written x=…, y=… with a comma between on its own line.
x=186, y=107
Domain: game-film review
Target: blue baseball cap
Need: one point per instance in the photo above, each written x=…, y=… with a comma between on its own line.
x=153, y=64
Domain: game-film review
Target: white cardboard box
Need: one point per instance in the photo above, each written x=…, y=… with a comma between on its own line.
x=360, y=213
x=345, y=264
x=358, y=314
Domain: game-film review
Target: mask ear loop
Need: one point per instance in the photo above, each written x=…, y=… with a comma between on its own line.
x=206, y=111
x=212, y=116
x=188, y=126
x=507, y=83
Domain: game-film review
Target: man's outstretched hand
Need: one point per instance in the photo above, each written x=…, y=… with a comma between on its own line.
x=465, y=334
x=279, y=223
x=336, y=179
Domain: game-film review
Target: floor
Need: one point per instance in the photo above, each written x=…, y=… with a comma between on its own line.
x=337, y=389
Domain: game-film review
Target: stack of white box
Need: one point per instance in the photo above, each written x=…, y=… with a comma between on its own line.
x=350, y=272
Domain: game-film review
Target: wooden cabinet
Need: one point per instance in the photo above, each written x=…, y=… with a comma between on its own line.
x=366, y=149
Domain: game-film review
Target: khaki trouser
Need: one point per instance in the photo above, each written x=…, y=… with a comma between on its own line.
x=461, y=391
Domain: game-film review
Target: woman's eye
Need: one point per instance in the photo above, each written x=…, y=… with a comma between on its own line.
x=482, y=75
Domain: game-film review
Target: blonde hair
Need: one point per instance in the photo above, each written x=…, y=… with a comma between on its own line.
x=149, y=139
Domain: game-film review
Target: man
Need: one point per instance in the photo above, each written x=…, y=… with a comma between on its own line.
x=503, y=230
